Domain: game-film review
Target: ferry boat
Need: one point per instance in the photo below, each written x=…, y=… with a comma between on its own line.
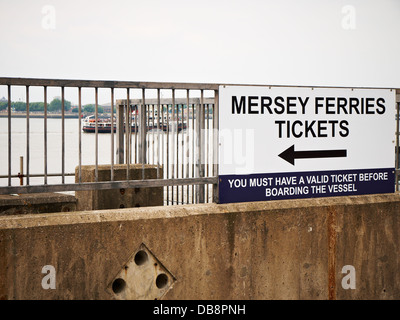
x=104, y=125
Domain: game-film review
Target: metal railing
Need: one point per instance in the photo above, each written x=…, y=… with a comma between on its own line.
x=178, y=134
x=188, y=157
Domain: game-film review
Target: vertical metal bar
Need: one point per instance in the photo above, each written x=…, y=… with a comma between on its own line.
x=45, y=134
x=62, y=136
x=152, y=135
x=126, y=126
x=179, y=161
x=397, y=148
x=130, y=107
x=158, y=133
x=187, y=143
x=177, y=150
x=80, y=134
x=9, y=134
x=143, y=130
x=112, y=134
x=194, y=112
x=146, y=142
x=163, y=160
x=128, y=130
x=200, y=148
x=147, y=109
x=182, y=149
x=130, y=121
x=137, y=160
x=27, y=136
x=21, y=170
x=96, y=112
x=148, y=123
x=120, y=134
x=174, y=131
x=198, y=144
x=167, y=152
x=215, y=144
x=208, y=151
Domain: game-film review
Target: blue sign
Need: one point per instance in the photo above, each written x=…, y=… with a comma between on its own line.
x=297, y=185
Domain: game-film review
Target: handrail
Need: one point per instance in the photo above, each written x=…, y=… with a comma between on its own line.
x=106, y=84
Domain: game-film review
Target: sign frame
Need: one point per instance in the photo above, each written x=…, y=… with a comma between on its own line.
x=332, y=141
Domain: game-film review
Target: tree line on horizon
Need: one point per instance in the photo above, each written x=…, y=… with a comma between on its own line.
x=54, y=106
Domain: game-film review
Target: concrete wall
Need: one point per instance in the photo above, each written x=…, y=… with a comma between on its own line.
x=292, y=249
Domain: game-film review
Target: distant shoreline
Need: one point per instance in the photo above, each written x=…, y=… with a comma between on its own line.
x=41, y=115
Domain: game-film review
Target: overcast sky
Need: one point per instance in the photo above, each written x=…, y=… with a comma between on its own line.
x=285, y=42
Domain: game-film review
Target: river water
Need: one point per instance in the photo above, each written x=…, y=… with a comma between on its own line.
x=184, y=154
x=54, y=148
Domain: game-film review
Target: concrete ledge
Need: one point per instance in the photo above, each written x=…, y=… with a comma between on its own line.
x=36, y=203
x=161, y=212
x=292, y=249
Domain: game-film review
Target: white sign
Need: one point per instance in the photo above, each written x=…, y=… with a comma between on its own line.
x=267, y=132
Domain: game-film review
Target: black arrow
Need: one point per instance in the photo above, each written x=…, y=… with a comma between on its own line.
x=290, y=155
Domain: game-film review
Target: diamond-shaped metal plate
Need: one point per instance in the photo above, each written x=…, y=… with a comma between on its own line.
x=143, y=277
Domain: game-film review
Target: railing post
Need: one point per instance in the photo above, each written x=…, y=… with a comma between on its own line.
x=120, y=134
x=397, y=147
x=21, y=171
x=143, y=130
x=215, y=144
x=128, y=133
x=9, y=134
x=200, y=148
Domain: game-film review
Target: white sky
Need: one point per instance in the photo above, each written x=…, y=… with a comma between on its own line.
x=285, y=42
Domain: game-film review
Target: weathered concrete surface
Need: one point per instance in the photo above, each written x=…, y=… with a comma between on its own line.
x=36, y=203
x=118, y=198
x=292, y=249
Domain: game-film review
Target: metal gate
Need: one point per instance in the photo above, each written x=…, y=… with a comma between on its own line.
x=173, y=126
